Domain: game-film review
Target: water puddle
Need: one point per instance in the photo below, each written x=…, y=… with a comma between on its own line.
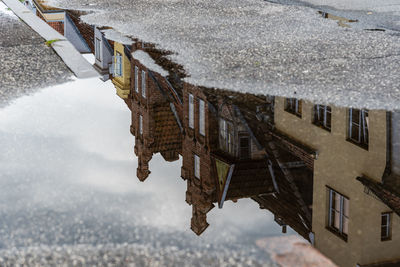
x=145, y=167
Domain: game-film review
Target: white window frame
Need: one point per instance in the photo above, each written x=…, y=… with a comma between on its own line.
x=97, y=49
x=118, y=65
x=140, y=124
x=223, y=133
x=230, y=136
x=144, y=83
x=362, y=124
x=226, y=137
x=191, y=111
x=202, y=123
x=387, y=235
x=322, y=121
x=136, y=79
x=343, y=218
x=196, y=166
x=293, y=105
x=222, y=128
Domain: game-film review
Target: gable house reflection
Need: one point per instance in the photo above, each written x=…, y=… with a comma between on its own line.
x=234, y=163
x=65, y=22
x=330, y=173
x=200, y=127
x=155, y=125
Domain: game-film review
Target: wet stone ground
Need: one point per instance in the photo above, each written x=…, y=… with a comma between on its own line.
x=27, y=63
x=263, y=48
x=122, y=255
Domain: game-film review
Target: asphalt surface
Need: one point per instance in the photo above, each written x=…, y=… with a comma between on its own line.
x=263, y=48
x=27, y=63
x=370, y=15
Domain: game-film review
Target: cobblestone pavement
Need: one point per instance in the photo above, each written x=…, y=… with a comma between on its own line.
x=27, y=63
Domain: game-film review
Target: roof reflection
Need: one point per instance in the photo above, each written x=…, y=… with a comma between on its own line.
x=330, y=173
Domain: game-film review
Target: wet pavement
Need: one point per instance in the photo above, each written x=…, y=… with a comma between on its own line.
x=384, y=15
x=261, y=47
x=27, y=63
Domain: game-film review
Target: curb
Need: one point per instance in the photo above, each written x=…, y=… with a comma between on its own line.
x=71, y=57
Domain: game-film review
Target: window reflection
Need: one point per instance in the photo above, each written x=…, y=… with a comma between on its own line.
x=235, y=146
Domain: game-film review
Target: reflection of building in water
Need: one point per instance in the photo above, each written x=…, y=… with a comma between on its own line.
x=227, y=156
x=103, y=53
x=121, y=69
x=155, y=120
x=332, y=174
x=67, y=23
x=200, y=136
x=355, y=220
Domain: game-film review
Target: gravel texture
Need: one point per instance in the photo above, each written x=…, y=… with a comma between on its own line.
x=27, y=63
x=121, y=255
x=368, y=14
x=366, y=5
x=261, y=47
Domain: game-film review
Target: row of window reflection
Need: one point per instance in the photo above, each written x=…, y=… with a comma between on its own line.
x=117, y=71
x=357, y=124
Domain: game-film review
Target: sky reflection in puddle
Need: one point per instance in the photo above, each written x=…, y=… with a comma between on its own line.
x=68, y=177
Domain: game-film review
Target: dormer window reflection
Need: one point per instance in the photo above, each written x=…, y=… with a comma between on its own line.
x=226, y=134
x=118, y=65
x=191, y=111
x=244, y=147
x=202, y=124
x=143, y=83
x=136, y=79
x=97, y=50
